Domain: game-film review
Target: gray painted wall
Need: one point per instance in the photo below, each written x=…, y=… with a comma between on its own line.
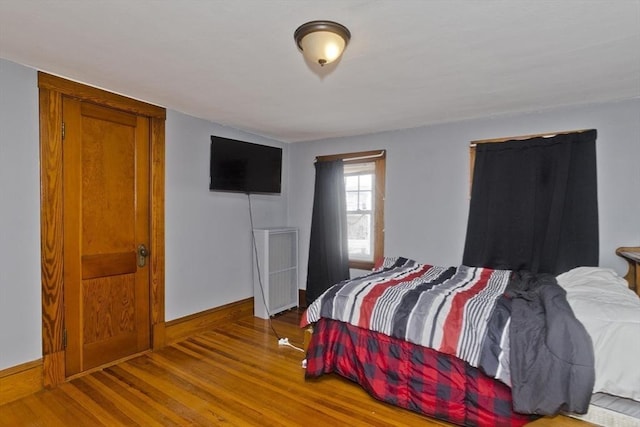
x=20, y=306
x=208, y=234
x=427, y=179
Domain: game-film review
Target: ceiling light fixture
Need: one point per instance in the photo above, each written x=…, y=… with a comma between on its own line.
x=322, y=42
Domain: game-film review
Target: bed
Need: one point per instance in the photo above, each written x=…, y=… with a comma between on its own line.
x=470, y=345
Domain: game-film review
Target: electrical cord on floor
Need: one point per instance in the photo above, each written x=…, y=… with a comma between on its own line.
x=255, y=252
x=285, y=342
x=281, y=341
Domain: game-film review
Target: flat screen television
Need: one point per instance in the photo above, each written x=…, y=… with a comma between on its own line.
x=244, y=167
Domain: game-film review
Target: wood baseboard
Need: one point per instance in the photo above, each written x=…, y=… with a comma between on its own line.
x=302, y=298
x=53, y=368
x=158, y=336
x=178, y=329
x=28, y=378
x=20, y=381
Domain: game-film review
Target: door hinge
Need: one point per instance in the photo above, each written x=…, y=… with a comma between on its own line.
x=64, y=338
x=62, y=130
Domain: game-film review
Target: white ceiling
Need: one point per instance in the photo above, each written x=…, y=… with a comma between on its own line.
x=409, y=63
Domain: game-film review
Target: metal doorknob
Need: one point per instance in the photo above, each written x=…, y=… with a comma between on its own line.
x=143, y=253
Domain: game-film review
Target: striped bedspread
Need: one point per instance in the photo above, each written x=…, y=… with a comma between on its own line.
x=459, y=311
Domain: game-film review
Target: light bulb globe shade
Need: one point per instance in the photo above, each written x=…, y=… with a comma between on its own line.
x=322, y=47
x=322, y=42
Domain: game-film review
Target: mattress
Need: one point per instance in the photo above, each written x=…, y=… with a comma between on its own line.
x=612, y=411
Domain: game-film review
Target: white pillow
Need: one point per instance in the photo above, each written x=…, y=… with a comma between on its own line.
x=610, y=312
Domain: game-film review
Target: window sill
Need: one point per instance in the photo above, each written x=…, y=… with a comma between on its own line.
x=361, y=265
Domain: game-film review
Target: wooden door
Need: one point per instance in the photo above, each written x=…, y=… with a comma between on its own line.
x=106, y=215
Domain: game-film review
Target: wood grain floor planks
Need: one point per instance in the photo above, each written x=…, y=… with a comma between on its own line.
x=235, y=375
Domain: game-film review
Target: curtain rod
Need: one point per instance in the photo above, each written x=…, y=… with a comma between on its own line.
x=364, y=155
x=523, y=137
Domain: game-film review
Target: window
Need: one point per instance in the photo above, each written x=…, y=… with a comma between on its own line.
x=364, y=179
x=534, y=203
x=359, y=186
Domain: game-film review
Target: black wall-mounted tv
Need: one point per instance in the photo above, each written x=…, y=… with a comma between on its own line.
x=244, y=167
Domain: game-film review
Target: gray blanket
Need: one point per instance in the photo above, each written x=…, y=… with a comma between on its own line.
x=552, y=368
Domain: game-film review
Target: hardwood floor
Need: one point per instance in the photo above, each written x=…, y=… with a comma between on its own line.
x=236, y=374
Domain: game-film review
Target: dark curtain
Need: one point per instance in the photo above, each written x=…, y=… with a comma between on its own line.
x=328, y=247
x=534, y=205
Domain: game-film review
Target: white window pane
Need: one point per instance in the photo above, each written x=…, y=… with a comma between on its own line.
x=364, y=201
x=352, y=201
x=360, y=236
x=351, y=183
x=359, y=226
x=366, y=182
x=360, y=185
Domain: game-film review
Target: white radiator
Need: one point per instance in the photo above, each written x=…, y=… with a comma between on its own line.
x=275, y=270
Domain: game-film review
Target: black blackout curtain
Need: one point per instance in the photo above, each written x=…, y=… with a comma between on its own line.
x=328, y=247
x=534, y=204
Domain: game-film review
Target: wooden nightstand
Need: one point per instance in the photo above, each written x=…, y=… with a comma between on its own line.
x=632, y=255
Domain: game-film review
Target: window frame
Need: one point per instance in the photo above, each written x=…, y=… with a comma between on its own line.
x=378, y=157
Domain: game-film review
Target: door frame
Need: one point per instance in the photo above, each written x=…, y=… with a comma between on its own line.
x=51, y=91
